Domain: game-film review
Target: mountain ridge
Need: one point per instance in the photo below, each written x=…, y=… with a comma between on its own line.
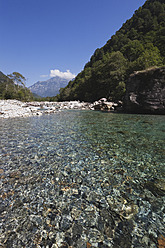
x=48, y=88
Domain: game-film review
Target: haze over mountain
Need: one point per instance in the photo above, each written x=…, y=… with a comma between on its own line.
x=49, y=87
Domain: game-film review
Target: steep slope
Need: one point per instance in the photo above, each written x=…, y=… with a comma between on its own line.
x=50, y=87
x=138, y=45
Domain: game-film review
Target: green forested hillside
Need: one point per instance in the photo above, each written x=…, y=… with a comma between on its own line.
x=139, y=44
x=11, y=90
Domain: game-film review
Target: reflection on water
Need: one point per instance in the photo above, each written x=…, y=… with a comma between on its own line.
x=51, y=166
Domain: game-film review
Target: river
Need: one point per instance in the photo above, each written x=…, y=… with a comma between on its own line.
x=82, y=179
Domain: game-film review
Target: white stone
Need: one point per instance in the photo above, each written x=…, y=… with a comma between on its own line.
x=15, y=108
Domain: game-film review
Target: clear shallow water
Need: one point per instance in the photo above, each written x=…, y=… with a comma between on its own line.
x=82, y=177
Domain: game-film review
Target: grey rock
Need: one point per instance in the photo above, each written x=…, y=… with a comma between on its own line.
x=66, y=223
x=145, y=92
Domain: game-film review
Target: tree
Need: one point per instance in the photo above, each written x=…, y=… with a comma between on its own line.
x=17, y=78
x=150, y=57
x=132, y=50
x=114, y=75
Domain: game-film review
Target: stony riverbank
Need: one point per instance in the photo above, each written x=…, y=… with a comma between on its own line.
x=15, y=108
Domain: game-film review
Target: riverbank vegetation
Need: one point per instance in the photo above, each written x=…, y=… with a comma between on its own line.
x=13, y=87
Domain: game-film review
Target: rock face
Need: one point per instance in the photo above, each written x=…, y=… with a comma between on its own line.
x=145, y=92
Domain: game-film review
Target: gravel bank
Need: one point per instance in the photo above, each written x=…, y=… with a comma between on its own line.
x=15, y=108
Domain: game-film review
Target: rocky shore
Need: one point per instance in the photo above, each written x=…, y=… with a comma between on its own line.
x=15, y=108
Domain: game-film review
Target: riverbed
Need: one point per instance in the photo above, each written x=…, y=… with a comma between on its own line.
x=82, y=179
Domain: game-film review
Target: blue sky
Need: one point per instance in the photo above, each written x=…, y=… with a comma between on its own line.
x=56, y=37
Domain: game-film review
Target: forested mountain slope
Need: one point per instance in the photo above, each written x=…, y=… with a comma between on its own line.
x=138, y=45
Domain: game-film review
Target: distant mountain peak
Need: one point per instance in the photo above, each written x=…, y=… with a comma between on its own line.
x=49, y=87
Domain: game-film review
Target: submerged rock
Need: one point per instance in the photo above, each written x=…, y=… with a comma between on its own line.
x=157, y=187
